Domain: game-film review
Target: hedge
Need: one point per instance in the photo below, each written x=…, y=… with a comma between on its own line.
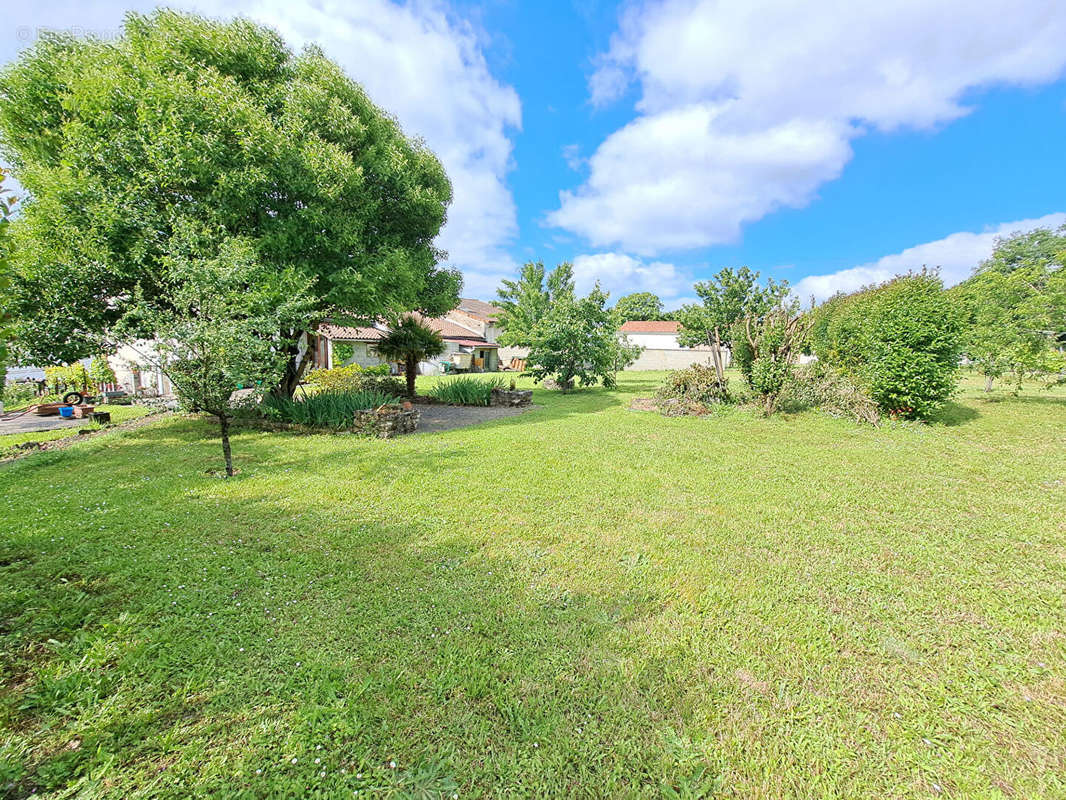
x=901, y=341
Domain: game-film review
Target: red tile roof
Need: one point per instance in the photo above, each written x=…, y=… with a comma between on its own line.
x=651, y=326
x=479, y=309
x=347, y=332
x=474, y=343
x=448, y=329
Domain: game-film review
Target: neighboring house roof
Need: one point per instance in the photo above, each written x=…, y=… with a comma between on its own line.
x=450, y=330
x=651, y=326
x=349, y=333
x=475, y=343
x=479, y=309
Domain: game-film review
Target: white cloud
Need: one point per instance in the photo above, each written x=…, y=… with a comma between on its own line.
x=956, y=256
x=415, y=60
x=747, y=106
x=622, y=274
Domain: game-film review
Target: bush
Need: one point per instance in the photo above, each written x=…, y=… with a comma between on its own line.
x=765, y=349
x=466, y=390
x=355, y=378
x=18, y=394
x=698, y=383
x=326, y=409
x=900, y=341
x=818, y=386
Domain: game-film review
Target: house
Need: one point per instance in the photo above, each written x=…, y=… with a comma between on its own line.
x=137, y=372
x=659, y=338
x=469, y=332
x=341, y=345
x=461, y=339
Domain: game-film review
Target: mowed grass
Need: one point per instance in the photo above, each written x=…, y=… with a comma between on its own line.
x=582, y=601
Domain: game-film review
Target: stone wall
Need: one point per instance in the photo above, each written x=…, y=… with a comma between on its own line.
x=507, y=397
x=387, y=422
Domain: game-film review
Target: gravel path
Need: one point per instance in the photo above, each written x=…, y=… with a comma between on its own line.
x=434, y=419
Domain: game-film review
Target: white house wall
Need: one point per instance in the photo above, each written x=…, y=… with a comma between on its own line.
x=659, y=359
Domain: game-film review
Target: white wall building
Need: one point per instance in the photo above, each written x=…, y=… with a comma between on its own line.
x=661, y=347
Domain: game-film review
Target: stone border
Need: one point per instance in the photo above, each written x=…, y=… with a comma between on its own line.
x=511, y=398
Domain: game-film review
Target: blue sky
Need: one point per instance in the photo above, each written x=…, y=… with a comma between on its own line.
x=653, y=143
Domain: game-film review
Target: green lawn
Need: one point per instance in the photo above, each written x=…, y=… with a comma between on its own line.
x=582, y=601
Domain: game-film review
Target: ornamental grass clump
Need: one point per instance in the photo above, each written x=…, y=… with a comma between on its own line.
x=466, y=390
x=327, y=409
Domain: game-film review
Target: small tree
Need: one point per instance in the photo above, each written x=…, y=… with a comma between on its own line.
x=100, y=371
x=639, y=306
x=219, y=332
x=767, y=352
x=727, y=299
x=578, y=339
x=409, y=342
x=525, y=302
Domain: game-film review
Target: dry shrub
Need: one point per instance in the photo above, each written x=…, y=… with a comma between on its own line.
x=818, y=386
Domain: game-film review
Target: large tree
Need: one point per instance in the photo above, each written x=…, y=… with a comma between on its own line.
x=185, y=122
x=1015, y=304
x=7, y=204
x=524, y=302
x=639, y=306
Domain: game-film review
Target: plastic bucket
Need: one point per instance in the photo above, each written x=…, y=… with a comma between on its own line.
x=66, y=412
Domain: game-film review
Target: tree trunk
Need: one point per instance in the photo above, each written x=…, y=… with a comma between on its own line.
x=988, y=383
x=716, y=355
x=294, y=369
x=410, y=368
x=223, y=422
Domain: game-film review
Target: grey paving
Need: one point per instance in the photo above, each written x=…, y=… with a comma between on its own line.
x=31, y=423
x=433, y=419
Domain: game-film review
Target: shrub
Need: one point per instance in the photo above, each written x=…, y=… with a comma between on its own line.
x=327, y=409
x=466, y=390
x=900, y=341
x=355, y=378
x=766, y=348
x=18, y=394
x=694, y=384
x=818, y=386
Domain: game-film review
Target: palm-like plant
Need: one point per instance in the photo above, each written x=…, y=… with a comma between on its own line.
x=410, y=341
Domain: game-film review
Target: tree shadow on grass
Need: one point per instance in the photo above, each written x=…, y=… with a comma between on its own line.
x=953, y=414
x=187, y=631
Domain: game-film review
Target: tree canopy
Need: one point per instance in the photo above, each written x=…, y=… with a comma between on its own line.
x=577, y=339
x=639, y=306
x=217, y=127
x=525, y=302
x=1015, y=306
x=729, y=297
